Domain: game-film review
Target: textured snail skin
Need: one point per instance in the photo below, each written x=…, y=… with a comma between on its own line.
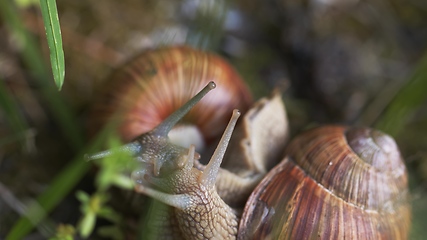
x=151, y=86
x=197, y=208
x=323, y=190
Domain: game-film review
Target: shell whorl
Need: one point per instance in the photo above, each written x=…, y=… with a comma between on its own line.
x=363, y=166
x=323, y=190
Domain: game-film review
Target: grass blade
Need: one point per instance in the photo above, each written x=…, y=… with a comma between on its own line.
x=54, y=40
x=10, y=108
x=60, y=187
x=34, y=60
x=406, y=102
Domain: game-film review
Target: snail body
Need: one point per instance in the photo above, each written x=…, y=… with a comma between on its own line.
x=332, y=182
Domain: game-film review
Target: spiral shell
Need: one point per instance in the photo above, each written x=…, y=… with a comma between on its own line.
x=335, y=183
x=147, y=89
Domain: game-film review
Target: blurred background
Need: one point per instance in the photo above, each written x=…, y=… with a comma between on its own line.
x=349, y=62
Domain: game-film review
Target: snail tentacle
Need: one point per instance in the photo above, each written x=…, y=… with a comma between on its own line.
x=132, y=148
x=179, y=201
x=164, y=128
x=329, y=183
x=210, y=173
x=192, y=193
x=154, y=146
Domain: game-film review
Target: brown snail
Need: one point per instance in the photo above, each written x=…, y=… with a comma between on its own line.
x=320, y=189
x=150, y=87
x=335, y=183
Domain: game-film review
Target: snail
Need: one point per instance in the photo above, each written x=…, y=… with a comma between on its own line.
x=335, y=183
x=154, y=84
x=331, y=182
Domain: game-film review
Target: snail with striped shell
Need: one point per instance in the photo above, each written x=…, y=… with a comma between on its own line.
x=331, y=182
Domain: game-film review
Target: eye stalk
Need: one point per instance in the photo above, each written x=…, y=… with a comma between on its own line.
x=154, y=146
x=164, y=127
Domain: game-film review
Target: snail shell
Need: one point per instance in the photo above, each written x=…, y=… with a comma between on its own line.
x=334, y=183
x=153, y=85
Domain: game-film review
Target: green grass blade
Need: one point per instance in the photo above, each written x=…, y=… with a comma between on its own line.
x=60, y=187
x=10, y=108
x=33, y=59
x=30, y=51
x=54, y=40
x=406, y=102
